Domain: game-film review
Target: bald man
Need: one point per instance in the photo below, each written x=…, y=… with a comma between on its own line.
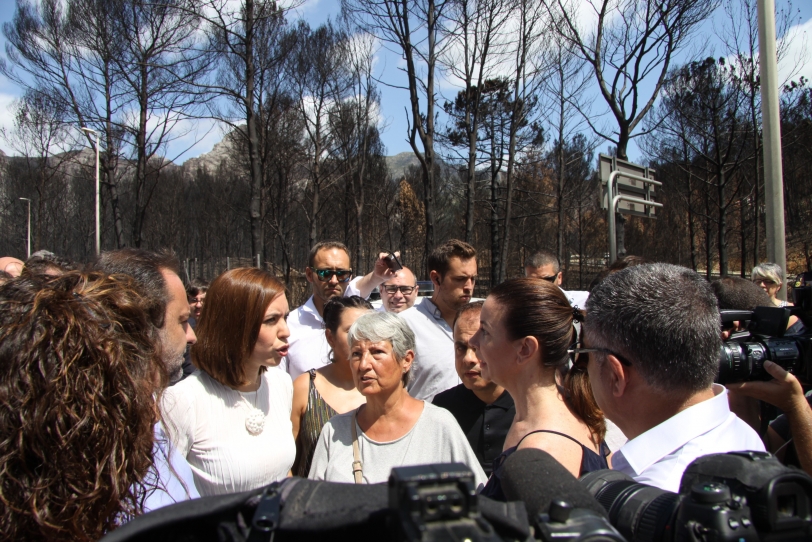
x=12, y=266
x=400, y=292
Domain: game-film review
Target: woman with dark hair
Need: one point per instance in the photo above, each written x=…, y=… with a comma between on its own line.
x=526, y=332
x=231, y=419
x=78, y=372
x=318, y=395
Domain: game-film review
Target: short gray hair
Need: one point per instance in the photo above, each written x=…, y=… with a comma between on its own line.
x=664, y=319
x=384, y=326
x=542, y=258
x=771, y=271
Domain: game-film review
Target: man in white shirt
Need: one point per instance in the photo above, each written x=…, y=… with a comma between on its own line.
x=452, y=269
x=157, y=277
x=652, y=336
x=329, y=274
x=399, y=292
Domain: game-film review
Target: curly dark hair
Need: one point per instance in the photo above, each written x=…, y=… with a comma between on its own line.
x=78, y=374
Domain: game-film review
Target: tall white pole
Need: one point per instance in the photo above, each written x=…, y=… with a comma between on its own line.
x=771, y=124
x=98, y=205
x=28, y=236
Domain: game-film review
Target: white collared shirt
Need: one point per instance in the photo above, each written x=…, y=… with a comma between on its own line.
x=659, y=456
x=433, y=367
x=308, y=345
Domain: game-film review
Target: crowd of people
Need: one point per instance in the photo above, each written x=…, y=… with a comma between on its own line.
x=122, y=390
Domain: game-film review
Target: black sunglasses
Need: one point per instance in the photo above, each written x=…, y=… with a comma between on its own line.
x=343, y=275
x=574, y=351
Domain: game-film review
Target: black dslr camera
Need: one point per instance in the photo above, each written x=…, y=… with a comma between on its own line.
x=742, y=357
x=738, y=496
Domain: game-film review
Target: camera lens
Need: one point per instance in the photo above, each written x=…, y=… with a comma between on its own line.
x=638, y=511
x=731, y=366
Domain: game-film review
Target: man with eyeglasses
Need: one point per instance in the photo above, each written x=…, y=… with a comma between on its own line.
x=400, y=292
x=544, y=265
x=452, y=269
x=330, y=275
x=651, y=348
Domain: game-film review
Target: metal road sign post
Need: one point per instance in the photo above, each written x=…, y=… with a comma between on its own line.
x=627, y=186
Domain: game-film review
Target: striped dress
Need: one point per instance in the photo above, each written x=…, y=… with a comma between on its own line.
x=315, y=416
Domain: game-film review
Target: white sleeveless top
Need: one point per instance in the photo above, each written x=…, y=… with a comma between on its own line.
x=206, y=423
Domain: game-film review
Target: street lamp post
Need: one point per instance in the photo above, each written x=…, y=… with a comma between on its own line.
x=98, y=230
x=28, y=239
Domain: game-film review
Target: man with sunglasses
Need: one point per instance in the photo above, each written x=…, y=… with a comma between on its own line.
x=330, y=275
x=399, y=292
x=545, y=265
x=651, y=345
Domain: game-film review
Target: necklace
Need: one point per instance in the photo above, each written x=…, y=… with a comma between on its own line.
x=255, y=421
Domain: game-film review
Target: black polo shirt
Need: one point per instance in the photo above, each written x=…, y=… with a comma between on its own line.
x=485, y=426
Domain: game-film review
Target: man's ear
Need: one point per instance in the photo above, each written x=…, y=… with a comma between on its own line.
x=309, y=274
x=617, y=374
x=526, y=349
x=436, y=278
x=559, y=279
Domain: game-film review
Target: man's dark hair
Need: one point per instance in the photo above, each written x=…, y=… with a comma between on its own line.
x=197, y=286
x=468, y=307
x=736, y=293
x=145, y=267
x=541, y=258
x=618, y=265
x=324, y=245
x=453, y=248
x=44, y=262
x=664, y=319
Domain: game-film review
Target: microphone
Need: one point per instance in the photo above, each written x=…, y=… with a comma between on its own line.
x=534, y=477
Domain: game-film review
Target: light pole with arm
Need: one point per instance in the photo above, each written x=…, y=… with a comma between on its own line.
x=28, y=239
x=98, y=234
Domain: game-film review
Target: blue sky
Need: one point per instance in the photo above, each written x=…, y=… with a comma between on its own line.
x=393, y=100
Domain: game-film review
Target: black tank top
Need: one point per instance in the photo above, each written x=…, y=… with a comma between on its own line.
x=590, y=461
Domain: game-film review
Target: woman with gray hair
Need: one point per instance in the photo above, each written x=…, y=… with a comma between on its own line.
x=770, y=277
x=392, y=429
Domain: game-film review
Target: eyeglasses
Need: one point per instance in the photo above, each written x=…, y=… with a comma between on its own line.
x=551, y=278
x=405, y=290
x=196, y=301
x=574, y=351
x=343, y=275
x=765, y=282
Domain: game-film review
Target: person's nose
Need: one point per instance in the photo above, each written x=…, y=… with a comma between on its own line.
x=284, y=330
x=333, y=279
x=191, y=338
x=469, y=284
x=398, y=295
x=470, y=358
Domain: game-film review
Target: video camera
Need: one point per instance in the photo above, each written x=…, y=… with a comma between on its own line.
x=742, y=357
x=737, y=496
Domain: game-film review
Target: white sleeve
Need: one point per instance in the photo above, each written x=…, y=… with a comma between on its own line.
x=321, y=457
x=352, y=287
x=178, y=419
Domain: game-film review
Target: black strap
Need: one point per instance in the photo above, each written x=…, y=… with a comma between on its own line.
x=549, y=431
